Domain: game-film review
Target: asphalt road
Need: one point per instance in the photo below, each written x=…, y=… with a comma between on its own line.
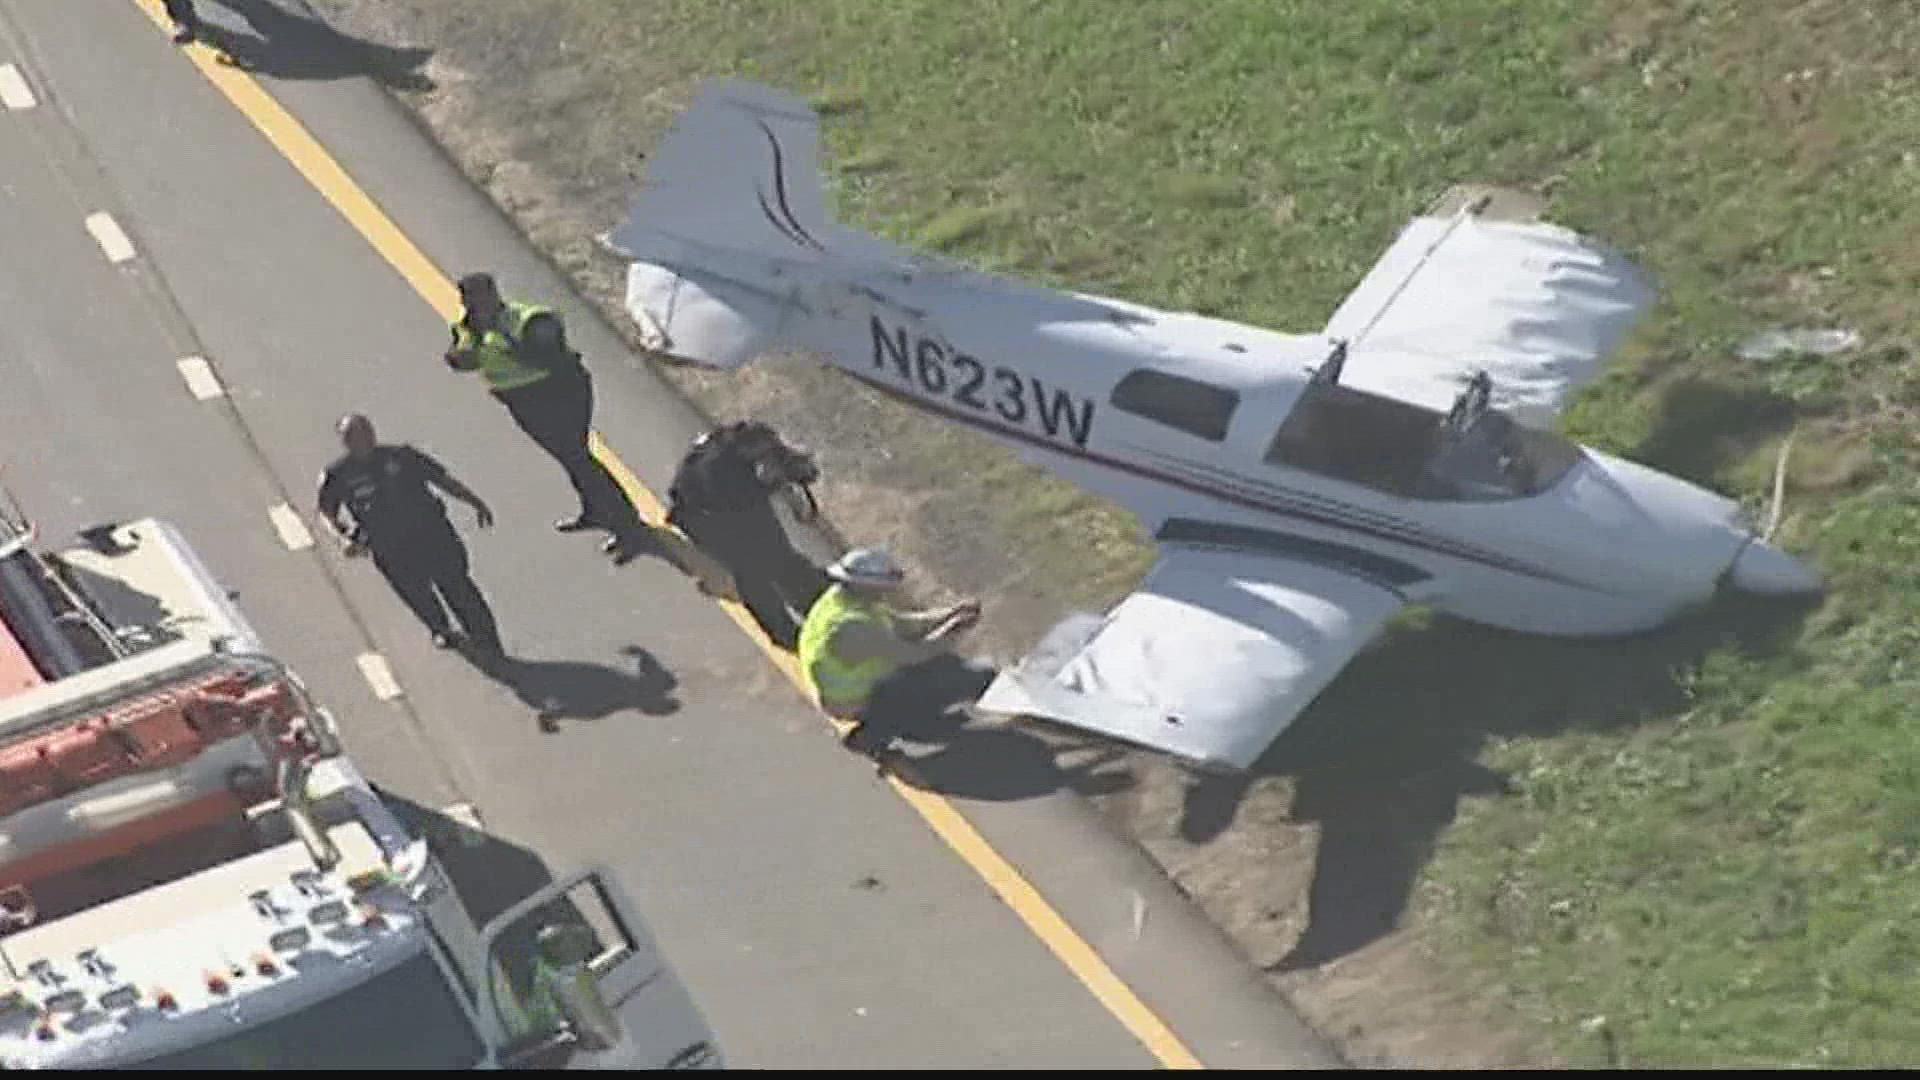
x=816, y=918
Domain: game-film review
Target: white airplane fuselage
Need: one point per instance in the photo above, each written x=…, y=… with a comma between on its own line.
x=1597, y=545
x=1299, y=488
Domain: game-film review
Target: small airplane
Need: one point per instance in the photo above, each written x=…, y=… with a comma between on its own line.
x=1301, y=488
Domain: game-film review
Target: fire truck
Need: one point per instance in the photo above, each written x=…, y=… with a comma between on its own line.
x=193, y=874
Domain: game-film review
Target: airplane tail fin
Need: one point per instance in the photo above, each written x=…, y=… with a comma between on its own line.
x=730, y=207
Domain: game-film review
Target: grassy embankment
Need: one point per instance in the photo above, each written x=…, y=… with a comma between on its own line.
x=1713, y=835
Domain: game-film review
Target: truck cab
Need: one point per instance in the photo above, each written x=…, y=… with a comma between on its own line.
x=193, y=874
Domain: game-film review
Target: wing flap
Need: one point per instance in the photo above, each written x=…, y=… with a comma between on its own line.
x=1209, y=660
x=1538, y=307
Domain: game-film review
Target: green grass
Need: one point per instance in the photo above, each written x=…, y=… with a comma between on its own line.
x=1727, y=866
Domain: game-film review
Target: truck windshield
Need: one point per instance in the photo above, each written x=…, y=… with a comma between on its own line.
x=405, y=1018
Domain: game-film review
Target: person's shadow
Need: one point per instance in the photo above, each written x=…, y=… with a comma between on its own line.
x=559, y=690
x=286, y=45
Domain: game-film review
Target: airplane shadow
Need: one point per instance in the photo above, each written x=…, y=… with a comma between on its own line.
x=284, y=44
x=559, y=690
x=1384, y=757
x=1706, y=424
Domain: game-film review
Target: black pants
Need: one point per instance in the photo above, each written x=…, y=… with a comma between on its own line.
x=182, y=14
x=556, y=413
x=915, y=702
x=431, y=563
x=777, y=583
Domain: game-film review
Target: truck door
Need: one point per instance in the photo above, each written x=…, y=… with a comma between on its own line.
x=577, y=981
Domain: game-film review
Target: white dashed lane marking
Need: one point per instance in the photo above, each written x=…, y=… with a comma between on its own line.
x=14, y=91
x=112, y=240
x=378, y=675
x=201, y=381
x=293, y=532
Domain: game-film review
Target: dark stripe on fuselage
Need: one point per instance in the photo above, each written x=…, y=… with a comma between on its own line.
x=1324, y=511
x=1216, y=491
x=1371, y=565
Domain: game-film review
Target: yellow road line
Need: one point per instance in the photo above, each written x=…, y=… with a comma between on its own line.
x=306, y=154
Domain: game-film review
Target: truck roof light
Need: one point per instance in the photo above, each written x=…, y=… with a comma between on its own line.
x=264, y=965
x=164, y=1001
x=92, y=963
x=372, y=917
x=216, y=982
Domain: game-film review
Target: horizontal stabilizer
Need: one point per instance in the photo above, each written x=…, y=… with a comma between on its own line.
x=704, y=317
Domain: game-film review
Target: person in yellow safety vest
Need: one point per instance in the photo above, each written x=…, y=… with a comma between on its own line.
x=521, y=351
x=860, y=655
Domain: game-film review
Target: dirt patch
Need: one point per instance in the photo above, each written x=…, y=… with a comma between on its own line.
x=553, y=137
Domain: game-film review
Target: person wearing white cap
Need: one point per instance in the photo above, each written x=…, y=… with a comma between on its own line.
x=853, y=641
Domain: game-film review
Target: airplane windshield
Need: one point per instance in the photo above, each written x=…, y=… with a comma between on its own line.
x=1414, y=452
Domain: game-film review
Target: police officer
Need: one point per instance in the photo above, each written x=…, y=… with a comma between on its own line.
x=522, y=353
x=397, y=518
x=721, y=498
x=861, y=656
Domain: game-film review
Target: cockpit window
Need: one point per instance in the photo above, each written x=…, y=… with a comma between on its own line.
x=1199, y=409
x=1415, y=452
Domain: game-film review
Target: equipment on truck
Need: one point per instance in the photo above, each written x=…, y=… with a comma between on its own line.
x=194, y=875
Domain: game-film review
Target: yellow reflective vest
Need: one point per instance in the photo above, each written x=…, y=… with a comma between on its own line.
x=493, y=352
x=843, y=687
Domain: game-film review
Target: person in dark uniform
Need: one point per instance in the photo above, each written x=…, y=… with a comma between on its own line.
x=186, y=21
x=387, y=490
x=722, y=498
x=521, y=351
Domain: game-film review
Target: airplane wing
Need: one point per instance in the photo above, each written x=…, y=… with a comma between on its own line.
x=1209, y=660
x=1538, y=307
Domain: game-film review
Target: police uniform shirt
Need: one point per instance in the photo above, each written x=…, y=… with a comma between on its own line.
x=387, y=494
